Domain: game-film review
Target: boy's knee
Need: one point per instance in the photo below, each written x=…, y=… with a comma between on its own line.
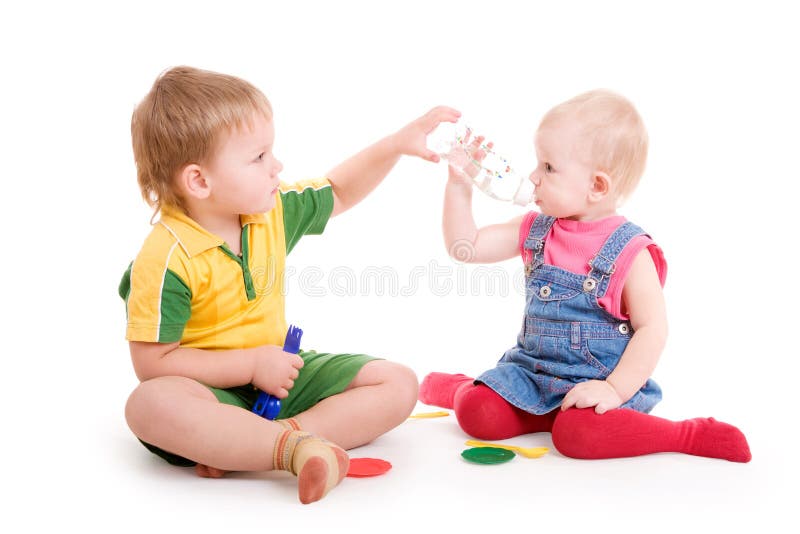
x=406, y=385
x=403, y=384
x=138, y=407
x=152, y=400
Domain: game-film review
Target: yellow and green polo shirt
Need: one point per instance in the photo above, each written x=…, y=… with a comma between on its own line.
x=187, y=285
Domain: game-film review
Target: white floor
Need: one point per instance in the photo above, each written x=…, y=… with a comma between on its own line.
x=115, y=485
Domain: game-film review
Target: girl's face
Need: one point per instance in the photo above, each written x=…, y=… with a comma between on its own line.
x=562, y=179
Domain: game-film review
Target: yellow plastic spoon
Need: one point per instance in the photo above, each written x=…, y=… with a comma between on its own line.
x=428, y=415
x=527, y=452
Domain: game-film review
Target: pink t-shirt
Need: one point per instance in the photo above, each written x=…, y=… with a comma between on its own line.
x=571, y=245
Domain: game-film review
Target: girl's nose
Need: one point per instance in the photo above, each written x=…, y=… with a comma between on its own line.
x=533, y=178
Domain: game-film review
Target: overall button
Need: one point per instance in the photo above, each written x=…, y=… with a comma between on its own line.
x=624, y=328
x=589, y=284
x=544, y=291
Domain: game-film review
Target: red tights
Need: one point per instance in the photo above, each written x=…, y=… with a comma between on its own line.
x=582, y=433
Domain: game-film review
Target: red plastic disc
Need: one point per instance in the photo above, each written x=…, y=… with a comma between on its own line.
x=367, y=467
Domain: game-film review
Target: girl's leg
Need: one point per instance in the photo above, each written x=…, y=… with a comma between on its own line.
x=582, y=433
x=484, y=414
x=480, y=411
x=439, y=389
x=380, y=397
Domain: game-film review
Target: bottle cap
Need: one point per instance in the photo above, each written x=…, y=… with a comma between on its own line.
x=524, y=194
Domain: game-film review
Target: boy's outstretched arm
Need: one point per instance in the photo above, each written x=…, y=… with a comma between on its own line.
x=355, y=178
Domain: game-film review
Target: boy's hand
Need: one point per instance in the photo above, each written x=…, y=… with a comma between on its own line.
x=356, y=177
x=598, y=393
x=274, y=370
x=412, y=138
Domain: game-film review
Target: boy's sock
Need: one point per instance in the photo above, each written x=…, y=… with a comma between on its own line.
x=289, y=424
x=484, y=414
x=582, y=433
x=439, y=389
x=319, y=464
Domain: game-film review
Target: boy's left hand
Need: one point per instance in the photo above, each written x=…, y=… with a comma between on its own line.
x=598, y=393
x=412, y=138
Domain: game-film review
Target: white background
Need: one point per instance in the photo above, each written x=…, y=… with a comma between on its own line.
x=716, y=85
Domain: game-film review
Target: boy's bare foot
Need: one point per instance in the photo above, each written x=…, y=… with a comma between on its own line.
x=208, y=472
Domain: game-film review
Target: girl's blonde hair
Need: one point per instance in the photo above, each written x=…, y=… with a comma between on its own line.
x=613, y=134
x=180, y=121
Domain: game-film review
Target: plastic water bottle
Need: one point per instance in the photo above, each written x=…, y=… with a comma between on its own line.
x=493, y=174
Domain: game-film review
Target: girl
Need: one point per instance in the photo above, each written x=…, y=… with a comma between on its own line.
x=595, y=321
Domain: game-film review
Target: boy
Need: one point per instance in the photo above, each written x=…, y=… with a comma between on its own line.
x=203, y=297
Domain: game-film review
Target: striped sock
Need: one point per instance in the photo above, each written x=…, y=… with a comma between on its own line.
x=319, y=464
x=289, y=424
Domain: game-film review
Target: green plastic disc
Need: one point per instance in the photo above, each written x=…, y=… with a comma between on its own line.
x=487, y=455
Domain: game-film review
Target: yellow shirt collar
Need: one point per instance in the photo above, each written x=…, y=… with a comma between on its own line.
x=193, y=238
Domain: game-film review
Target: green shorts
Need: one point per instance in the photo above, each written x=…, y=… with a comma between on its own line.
x=322, y=375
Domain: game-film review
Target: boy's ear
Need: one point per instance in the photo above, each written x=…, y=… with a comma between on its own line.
x=192, y=182
x=601, y=186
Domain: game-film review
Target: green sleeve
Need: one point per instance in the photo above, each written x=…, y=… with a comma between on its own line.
x=306, y=210
x=174, y=308
x=125, y=283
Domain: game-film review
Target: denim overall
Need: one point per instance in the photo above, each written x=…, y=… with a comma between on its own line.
x=567, y=337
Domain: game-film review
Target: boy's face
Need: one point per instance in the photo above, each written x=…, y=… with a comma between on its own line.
x=562, y=179
x=243, y=172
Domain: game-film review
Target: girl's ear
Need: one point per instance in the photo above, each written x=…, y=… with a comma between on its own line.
x=193, y=183
x=601, y=186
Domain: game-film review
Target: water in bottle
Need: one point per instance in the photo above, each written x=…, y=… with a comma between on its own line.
x=492, y=173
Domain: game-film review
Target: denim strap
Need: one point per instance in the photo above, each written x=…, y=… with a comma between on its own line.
x=602, y=266
x=535, y=240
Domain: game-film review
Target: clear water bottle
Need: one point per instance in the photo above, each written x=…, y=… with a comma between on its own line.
x=492, y=174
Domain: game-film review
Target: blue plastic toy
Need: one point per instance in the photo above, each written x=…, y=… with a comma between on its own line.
x=267, y=405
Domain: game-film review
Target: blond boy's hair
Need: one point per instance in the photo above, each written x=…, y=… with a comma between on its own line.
x=614, y=135
x=181, y=120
